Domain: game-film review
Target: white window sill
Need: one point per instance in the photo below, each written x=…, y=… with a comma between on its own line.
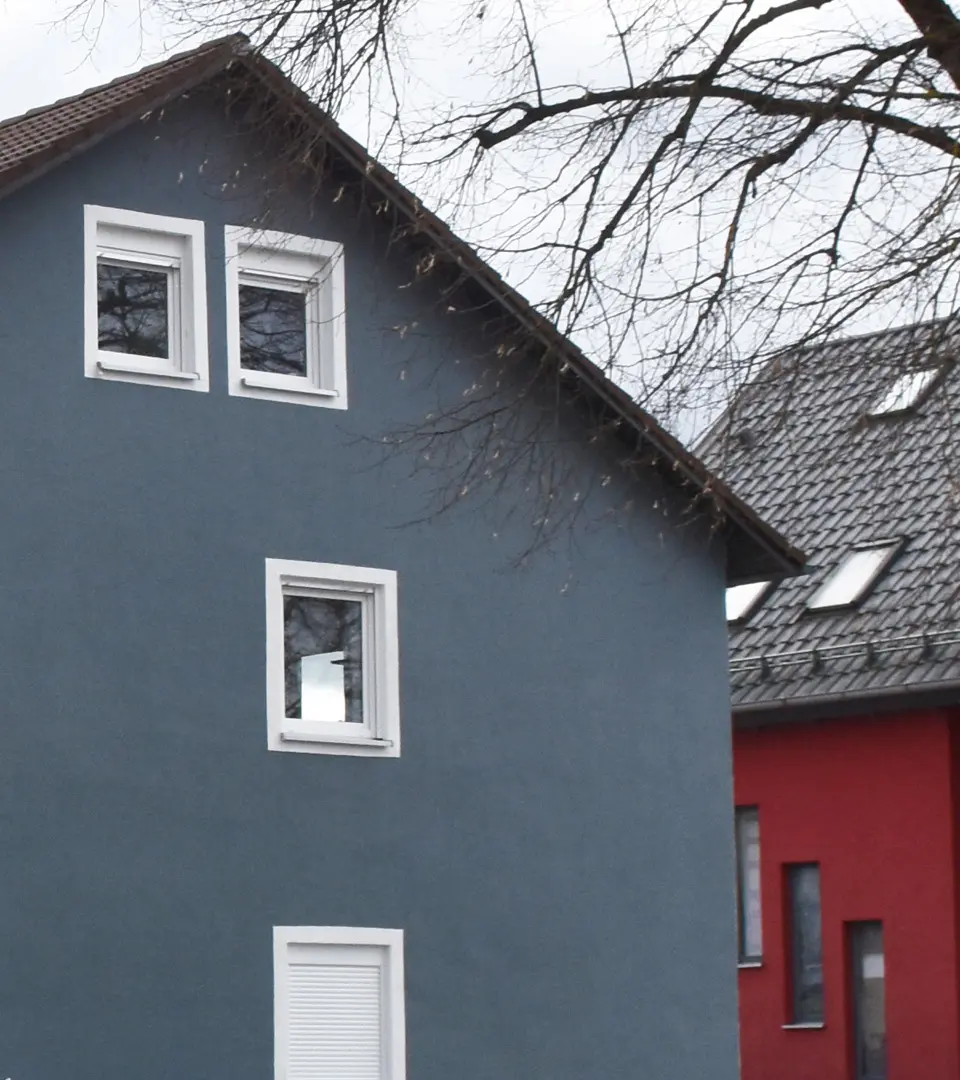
x=747, y=964
x=305, y=735
x=804, y=1027
x=110, y=367
x=286, y=383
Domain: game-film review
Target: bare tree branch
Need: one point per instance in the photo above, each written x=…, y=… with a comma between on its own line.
x=941, y=31
x=685, y=187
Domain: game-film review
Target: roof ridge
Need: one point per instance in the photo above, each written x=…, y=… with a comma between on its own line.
x=705, y=443
x=890, y=331
x=234, y=40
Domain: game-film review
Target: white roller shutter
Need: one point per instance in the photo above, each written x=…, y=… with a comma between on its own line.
x=334, y=1012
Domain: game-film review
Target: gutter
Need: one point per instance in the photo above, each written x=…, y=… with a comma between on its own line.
x=847, y=702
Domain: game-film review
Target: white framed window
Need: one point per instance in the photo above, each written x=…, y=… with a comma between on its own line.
x=286, y=337
x=856, y=575
x=332, y=659
x=742, y=600
x=906, y=392
x=338, y=1003
x=145, y=303
x=749, y=913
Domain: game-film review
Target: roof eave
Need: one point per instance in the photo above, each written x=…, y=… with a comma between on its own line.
x=885, y=699
x=34, y=166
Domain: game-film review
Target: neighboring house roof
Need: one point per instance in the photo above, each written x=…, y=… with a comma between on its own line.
x=43, y=138
x=800, y=447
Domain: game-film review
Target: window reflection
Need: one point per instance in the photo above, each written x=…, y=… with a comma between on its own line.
x=133, y=310
x=323, y=659
x=804, y=885
x=748, y=882
x=870, y=1000
x=273, y=330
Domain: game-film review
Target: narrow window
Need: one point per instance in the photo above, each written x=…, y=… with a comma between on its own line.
x=743, y=600
x=338, y=1003
x=906, y=392
x=145, y=299
x=869, y=999
x=806, y=945
x=855, y=576
x=285, y=318
x=748, y=884
x=332, y=659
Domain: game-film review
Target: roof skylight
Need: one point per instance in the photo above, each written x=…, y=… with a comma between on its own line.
x=741, y=600
x=905, y=392
x=855, y=576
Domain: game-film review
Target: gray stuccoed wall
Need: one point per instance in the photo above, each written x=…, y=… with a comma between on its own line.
x=555, y=839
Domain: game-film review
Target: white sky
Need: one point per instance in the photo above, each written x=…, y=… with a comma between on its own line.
x=43, y=56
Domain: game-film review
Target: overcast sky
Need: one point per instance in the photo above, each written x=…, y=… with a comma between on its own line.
x=44, y=57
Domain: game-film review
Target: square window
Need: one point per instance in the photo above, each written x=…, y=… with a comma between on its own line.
x=273, y=330
x=338, y=1003
x=145, y=299
x=332, y=659
x=133, y=309
x=285, y=318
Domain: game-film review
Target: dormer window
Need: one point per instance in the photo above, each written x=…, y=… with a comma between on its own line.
x=906, y=392
x=855, y=576
x=743, y=600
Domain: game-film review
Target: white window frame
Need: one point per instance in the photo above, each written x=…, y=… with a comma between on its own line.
x=741, y=601
x=390, y=944
x=886, y=550
x=150, y=241
x=299, y=264
x=907, y=391
x=749, y=919
x=379, y=735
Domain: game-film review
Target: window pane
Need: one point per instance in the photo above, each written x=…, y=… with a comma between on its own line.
x=748, y=883
x=869, y=973
x=742, y=599
x=133, y=306
x=853, y=577
x=273, y=330
x=323, y=659
x=804, y=888
x=905, y=391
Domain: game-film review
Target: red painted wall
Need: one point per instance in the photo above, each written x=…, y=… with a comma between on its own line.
x=871, y=800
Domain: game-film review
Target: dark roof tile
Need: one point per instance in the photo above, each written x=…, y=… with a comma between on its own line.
x=832, y=480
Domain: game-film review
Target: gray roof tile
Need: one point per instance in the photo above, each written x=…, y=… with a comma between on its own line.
x=830, y=478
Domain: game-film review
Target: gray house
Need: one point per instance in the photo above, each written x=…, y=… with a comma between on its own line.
x=301, y=778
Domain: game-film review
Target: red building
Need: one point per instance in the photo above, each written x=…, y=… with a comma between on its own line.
x=846, y=702
x=872, y=801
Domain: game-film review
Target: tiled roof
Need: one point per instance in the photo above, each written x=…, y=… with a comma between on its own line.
x=798, y=446
x=41, y=139
x=42, y=135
